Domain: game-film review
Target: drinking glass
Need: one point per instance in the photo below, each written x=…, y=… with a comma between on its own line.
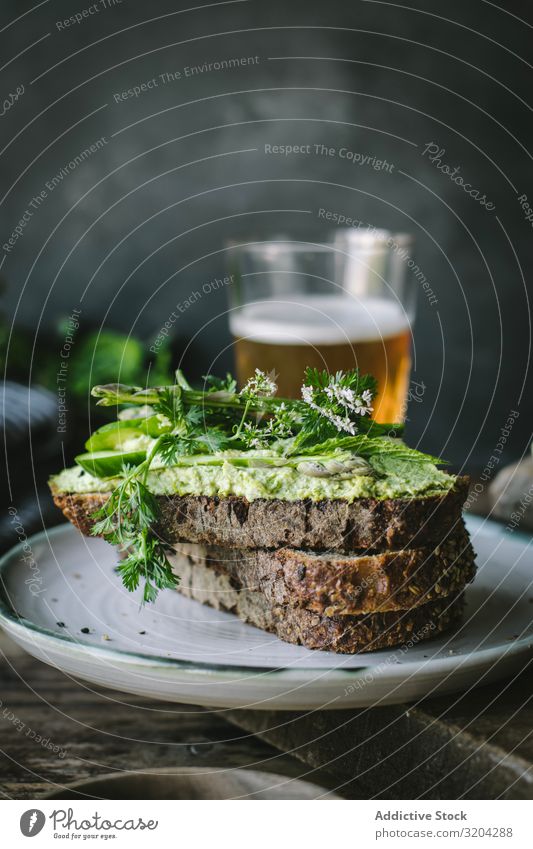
x=338, y=305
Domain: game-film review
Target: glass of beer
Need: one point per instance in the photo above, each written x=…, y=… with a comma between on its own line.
x=336, y=306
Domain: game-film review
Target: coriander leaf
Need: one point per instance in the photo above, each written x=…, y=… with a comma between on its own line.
x=170, y=403
x=213, y=440
x=194, y=416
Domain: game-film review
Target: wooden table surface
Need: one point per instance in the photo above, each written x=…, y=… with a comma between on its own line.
x=55, y=730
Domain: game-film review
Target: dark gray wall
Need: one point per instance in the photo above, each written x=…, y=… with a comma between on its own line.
x=144, y=220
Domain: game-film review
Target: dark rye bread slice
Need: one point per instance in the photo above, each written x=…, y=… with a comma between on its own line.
x=344, y=634
x=336, y=584
x=335, y=525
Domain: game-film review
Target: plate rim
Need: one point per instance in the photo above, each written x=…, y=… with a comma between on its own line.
x=12, y=622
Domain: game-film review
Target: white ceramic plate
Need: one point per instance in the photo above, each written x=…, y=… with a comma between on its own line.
x=63, y=602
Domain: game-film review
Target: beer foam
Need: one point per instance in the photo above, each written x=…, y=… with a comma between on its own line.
x=319, y=320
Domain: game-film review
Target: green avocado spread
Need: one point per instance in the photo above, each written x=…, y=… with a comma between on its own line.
x=390, y=478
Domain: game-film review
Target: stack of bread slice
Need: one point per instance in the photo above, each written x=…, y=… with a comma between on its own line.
x=332, y=575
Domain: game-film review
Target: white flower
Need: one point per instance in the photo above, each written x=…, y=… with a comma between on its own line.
x=340, y=423
x=362, y=409
x=307, y=395
x=252, y=437
x=277, y=428
x=365, y=403
x=261, y=385
x=360, y=405
x=343, y=424
x=345, y=397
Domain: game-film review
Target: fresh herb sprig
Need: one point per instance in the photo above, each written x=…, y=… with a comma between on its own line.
x=331, y=405
x=329, y=423
x=127, y=520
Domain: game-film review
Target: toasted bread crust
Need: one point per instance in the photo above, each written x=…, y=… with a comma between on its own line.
x=339, y=585
x=343, y=634
x=351, y=635
x=364, y=524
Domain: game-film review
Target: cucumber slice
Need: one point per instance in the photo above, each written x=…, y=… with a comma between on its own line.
x=107, y=464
